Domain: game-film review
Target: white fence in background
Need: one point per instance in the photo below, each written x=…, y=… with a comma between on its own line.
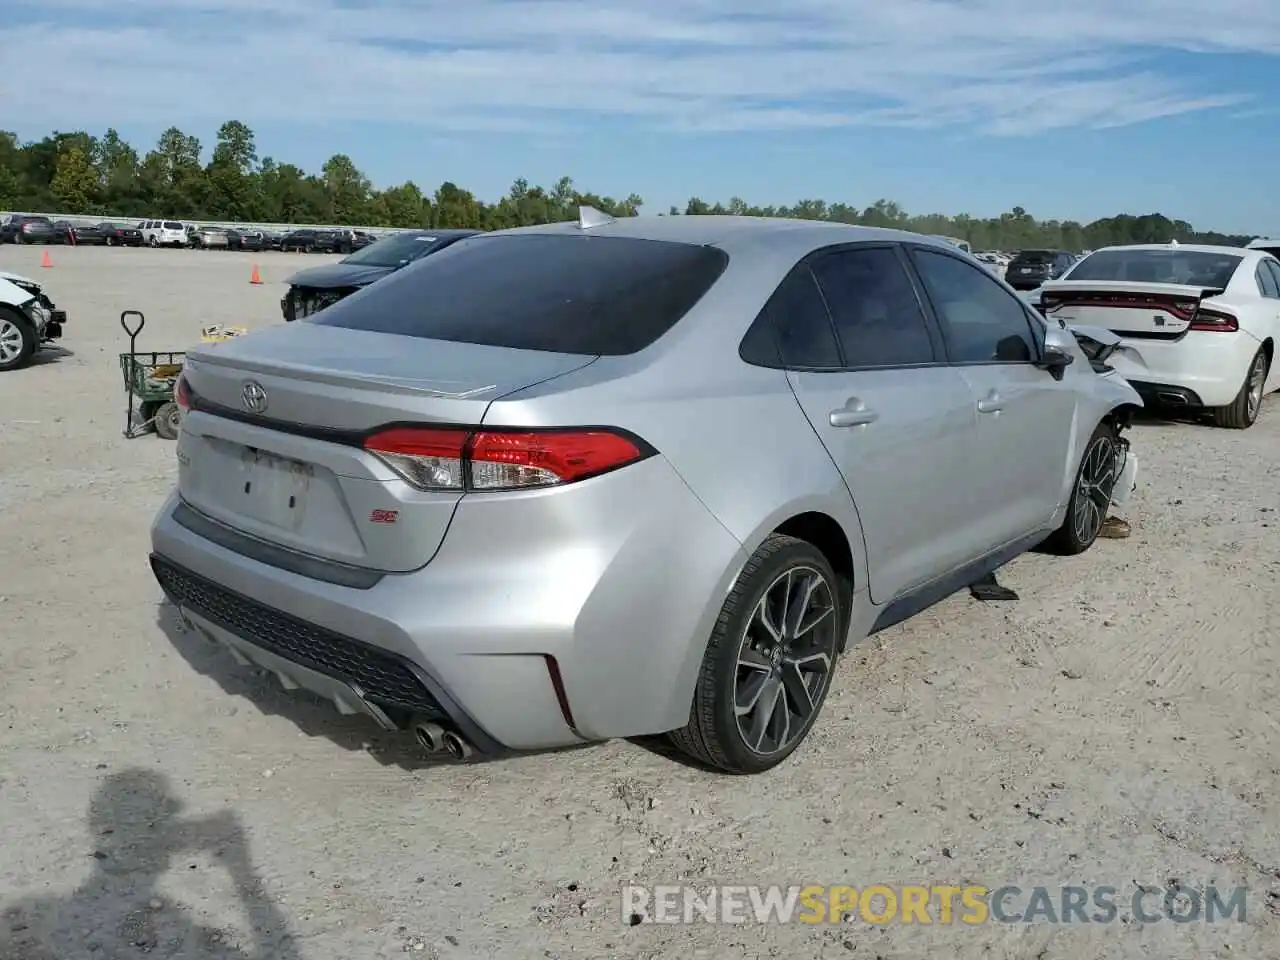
x=88, y=220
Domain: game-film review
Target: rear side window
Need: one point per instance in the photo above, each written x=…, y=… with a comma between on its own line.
x=561, y=293
x=794, y=329
x=873, y=303
x=1266, y=282
x=1274, y=269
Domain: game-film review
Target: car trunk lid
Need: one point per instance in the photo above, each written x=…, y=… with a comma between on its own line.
x=271, y=445
x=1137, y=309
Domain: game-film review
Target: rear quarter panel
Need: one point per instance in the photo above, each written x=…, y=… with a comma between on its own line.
x=734, y=432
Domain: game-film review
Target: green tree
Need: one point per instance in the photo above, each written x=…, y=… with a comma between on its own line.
x=77, y=172
x=75, y=182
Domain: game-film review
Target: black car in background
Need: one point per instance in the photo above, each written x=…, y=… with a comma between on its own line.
x=1030, y=268
x=315, y=288
x=303, y=241
x=118, y=235
x=247, y=240
x=75, y=235
x=27, y=228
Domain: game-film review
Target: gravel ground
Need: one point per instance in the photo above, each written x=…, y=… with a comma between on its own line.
x=1116, y=726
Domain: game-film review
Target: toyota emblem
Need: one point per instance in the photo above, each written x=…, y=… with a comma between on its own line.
x=253, y=397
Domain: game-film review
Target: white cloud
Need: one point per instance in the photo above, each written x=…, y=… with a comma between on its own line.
x=1002, y=66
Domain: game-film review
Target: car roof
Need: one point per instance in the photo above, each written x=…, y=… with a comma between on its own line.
x=1183, y=247
x=428, y=232
x=731, y=233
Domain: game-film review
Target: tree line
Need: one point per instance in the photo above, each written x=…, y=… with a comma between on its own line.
x=80, y=173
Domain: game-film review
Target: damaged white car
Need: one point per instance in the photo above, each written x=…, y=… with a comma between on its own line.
x=28, y=320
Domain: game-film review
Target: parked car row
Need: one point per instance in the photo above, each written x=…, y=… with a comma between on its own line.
x=31, y=228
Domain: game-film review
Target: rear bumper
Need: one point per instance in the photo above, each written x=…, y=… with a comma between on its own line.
x=1026, y=282
x=1202, y=369
x=619, y=601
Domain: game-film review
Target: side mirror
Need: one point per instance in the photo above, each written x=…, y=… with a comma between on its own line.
x=1059, y=351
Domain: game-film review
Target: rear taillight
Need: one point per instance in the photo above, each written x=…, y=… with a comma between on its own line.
x=1213, y=322
x=182, y=394
x=435, y=458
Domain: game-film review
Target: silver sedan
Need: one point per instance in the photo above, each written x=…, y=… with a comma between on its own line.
x=617, y=477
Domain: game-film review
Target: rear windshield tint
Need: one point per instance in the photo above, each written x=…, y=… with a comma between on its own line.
x=172, y=225
x=562, y=293
x=1036, y=256
x=1197, y=268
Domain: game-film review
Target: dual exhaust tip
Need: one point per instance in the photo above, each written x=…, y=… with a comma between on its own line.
x=436, y=739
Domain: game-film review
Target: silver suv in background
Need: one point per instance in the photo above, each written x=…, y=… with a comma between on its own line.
x=616, y=477
x=163, y=233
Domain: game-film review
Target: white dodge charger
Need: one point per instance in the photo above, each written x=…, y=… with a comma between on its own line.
x=1198, y=324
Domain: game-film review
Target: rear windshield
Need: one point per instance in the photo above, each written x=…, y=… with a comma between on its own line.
x=172, y=225
x=1191, y=267
x=1036, y=256
x=555, y=292
x=394, y=250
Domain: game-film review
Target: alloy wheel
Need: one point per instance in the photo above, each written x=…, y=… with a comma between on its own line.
x=1095, y=486
x=785, y=658
x=1257, y=380
x=10, y=341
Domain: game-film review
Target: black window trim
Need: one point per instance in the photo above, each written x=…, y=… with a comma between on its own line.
x=805, y=265
x=1036, y=329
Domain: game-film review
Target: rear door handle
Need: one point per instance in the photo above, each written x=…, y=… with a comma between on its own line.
x=991, y=403
x=854, y=413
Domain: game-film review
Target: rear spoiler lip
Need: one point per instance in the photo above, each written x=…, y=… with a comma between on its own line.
x=1066, y=287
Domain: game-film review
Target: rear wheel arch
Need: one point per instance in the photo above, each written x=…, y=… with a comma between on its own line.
x=825, y=532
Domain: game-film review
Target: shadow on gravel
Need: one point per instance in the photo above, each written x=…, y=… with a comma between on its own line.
x=46, y=356
x=136, y=836
x=313, y=715
x=1168, y=416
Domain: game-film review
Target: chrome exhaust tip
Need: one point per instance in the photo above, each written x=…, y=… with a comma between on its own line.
x=457, y=747
x=430, y=735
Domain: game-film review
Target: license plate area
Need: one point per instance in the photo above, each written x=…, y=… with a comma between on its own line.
x=273, y=490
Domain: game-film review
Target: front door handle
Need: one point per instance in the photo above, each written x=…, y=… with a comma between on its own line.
x=854, y=413
x=991, y=403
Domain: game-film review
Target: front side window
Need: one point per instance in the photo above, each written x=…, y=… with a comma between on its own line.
x=983, y=322
x=873, y=303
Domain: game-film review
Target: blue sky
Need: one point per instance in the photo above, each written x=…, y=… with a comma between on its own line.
x=1074, y=110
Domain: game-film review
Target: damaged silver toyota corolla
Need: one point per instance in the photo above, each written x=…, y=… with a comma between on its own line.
x=28, y=320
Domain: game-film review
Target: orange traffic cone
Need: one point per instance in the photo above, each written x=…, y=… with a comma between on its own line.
x=255, y=277
x=46, y=261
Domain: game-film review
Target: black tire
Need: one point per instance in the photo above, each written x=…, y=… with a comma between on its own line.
x=153, y=242
x=14, y=329
x=1090, y=493
x=1242, y=412
x=714, y=735
x=168, y=421
x=17, y=237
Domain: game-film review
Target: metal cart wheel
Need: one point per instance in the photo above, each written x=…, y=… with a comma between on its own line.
x=168, y=421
